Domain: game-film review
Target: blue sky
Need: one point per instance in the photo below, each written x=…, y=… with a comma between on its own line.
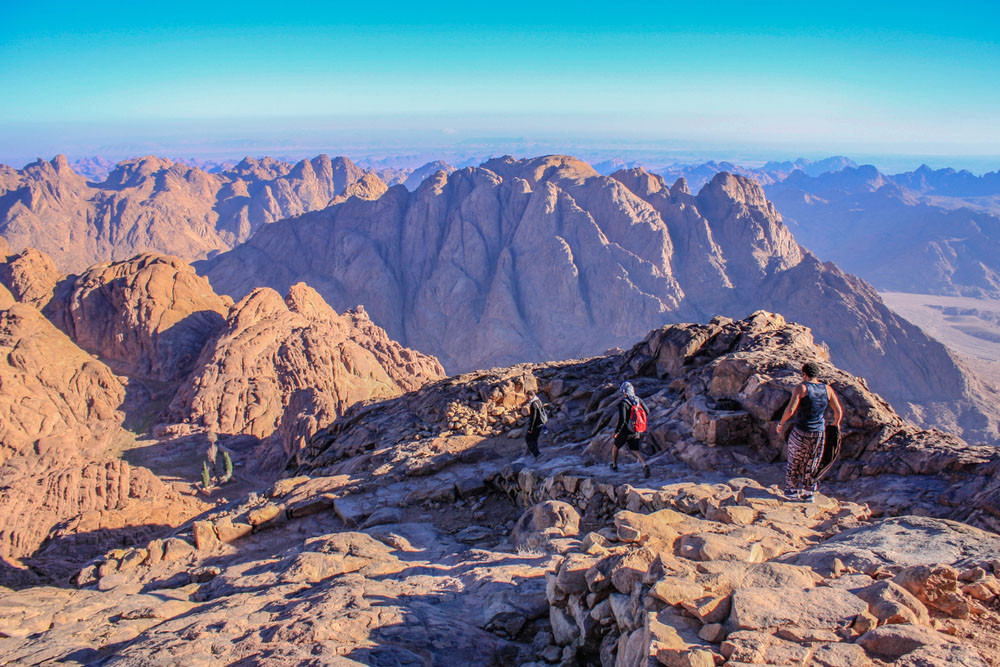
x=915, y=77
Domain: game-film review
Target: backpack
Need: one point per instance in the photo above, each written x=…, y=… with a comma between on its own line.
x=637, y=418
x=543, y=416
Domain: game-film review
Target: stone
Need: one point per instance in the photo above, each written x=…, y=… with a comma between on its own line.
x=821, y=607
x=230, y=531
x=174, y=548
x=840, y=655
x=655, y=527
x=674, y=641
x=551, y=518
x=352, y=510
x=631, y=568
x=890, y=642
x=572, y=575
x=205, y=538
x=708, y=609
x=901, y=542
x=674, y=590
x=943, y=655
x=935, y=586
x=891, y=603
x=564, y=628
x=708, y=546
x=763, y=648
x=263, y=515
x=712, y=632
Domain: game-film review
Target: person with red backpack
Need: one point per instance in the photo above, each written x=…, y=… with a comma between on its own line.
x=632, y=423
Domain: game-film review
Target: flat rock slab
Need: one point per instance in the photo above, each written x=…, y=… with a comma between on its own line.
x=822, y=607
x=901, y=542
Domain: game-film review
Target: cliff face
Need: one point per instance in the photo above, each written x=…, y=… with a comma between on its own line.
x=154, y=204
x=544, y=258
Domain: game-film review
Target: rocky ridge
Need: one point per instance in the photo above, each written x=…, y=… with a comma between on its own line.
x=152, y=204
x=407, y=535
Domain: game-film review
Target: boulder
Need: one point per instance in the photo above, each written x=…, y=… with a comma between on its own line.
x=890, y=642
x=935, y=586
x=767, y=608
x=891, y=603
x=901, y=542
x=656, y=527
x=548, y=519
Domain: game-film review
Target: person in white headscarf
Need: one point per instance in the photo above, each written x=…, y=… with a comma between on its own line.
x=632, y=415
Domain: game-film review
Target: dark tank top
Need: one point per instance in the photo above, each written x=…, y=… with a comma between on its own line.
x=809, y=416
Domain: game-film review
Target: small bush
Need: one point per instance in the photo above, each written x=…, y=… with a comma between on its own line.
x=206, y=478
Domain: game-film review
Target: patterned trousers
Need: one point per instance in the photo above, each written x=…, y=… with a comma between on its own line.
x=805, y=452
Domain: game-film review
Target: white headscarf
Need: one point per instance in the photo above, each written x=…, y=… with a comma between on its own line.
x=628, y=390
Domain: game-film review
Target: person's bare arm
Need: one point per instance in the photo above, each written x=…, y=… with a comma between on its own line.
x=838, y=411
x=793, y=405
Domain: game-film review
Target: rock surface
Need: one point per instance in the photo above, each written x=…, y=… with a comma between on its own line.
x=393, y=539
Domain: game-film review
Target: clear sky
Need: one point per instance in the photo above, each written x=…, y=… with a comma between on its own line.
x=896, y=77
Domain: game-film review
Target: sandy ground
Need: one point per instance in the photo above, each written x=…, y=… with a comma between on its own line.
x=969, y=326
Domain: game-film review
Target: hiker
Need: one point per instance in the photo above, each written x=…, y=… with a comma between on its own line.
x=808, y=435
x=632, y=415
x=537, y=418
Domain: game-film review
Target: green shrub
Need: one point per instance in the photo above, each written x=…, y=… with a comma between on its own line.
x=229, y=467
x=206, y=479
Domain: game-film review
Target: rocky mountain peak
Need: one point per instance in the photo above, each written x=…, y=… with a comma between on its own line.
x=680, y=187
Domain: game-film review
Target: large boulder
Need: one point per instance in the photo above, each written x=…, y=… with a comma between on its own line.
x=541, y=522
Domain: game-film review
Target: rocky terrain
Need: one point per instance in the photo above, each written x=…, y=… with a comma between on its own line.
x=139, y=356
x=410, y=533
x=151, y=204
x=538, y=259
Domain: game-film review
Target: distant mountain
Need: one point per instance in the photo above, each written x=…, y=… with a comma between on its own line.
x=544, y=258
x=412, y=178
x=949, y=182
x=835, y=163
x=154, y=204
x=877, y=228
x=697, y=175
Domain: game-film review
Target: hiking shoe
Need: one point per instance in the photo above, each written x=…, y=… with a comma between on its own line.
x=645, y=471
x=614, y=467
x=793, y=494
x=807, y=497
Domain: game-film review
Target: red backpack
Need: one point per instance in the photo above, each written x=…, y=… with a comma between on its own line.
x=637, y=418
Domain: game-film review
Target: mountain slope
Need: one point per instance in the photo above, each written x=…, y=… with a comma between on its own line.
x=544, y=258
x=871, y=226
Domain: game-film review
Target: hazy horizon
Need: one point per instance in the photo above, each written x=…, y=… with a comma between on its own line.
x=903, y=83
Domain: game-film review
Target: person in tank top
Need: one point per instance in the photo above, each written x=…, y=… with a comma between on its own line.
x=808, y=405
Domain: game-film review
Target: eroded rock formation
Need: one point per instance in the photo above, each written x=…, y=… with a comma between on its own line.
x=286, y=366
x=147, y=317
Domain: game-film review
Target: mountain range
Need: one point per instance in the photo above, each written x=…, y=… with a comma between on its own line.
x=510, y=261
x=545, y=258
x=884, y=230
x=154, y=204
